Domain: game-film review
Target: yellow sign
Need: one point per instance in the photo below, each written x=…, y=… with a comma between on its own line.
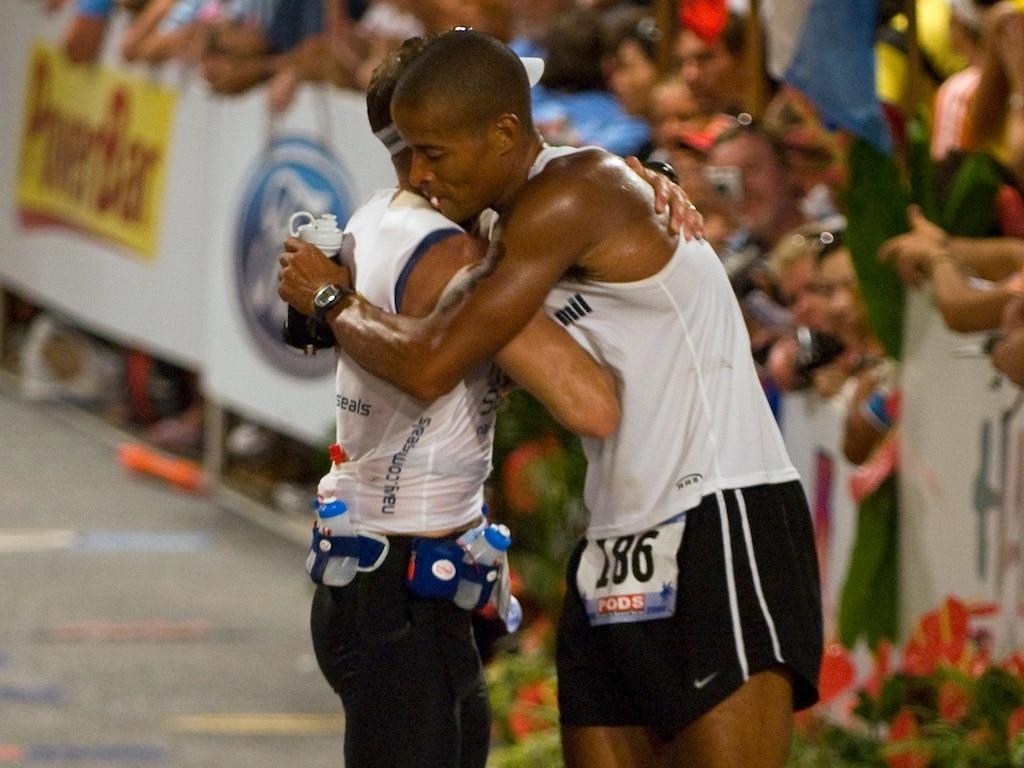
x=259, y=723
x=94, y=148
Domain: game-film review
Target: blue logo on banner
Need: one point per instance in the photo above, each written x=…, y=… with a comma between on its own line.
x=294, y=174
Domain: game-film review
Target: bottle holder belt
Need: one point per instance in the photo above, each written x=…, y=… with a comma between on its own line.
x=370, y=548
x=437, y=566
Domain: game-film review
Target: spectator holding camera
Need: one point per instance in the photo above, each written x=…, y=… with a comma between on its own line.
x=750, y=176
x=811, y=346
x=862, y=377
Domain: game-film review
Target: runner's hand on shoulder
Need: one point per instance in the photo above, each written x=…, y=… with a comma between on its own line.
x=683, y=214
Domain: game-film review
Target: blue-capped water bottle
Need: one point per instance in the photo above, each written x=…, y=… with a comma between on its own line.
x=484, y=554
x=325, y=563
x=333, y=521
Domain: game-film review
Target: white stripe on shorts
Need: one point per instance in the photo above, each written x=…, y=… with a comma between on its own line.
x=730, y=579
x=748, y=540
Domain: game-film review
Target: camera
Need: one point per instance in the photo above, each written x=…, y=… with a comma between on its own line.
x=726, y=181
x=815, y=349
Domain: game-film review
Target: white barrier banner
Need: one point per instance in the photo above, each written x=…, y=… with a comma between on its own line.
x=813, y=431
x=151, y=300
x=205, y=296
x=962, y=466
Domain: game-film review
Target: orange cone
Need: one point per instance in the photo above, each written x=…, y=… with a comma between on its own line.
x=182, y=473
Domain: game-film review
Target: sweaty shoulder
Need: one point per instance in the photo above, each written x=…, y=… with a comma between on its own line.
x=587, y=165
x=584, y=185
x=591, y=203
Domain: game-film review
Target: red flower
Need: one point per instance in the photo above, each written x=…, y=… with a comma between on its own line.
x=1015, y=664
x=874, y=684
x=940, y=637
x=953, y=701
x=902, y=751
x=518, y=488
x=978, y=662
x=837, y=672
x=526, y=715
x=1015, y=724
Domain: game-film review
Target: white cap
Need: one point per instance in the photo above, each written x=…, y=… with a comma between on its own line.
x=323, y=231
x=534, y=68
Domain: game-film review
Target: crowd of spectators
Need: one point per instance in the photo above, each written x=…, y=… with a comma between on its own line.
x=767, y=175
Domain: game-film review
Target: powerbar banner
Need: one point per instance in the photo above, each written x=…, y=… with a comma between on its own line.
x=94, y=149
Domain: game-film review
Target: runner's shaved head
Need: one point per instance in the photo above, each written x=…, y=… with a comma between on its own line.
x=474, y=75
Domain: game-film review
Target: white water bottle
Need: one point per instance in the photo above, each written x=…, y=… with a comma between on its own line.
x=485, y=550
x=322, y=231
x=300, y=331
x=333, y=520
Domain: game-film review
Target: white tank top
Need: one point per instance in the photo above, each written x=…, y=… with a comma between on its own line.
x=413, y=466
x=694, y=416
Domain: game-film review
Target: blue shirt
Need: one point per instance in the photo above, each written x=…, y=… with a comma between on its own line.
x=585, y=118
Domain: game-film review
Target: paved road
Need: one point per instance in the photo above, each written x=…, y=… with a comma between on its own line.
x=142, y=626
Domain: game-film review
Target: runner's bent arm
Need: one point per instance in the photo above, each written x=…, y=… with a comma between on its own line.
x=545, y=361
x=543, y=358
x=479, y=312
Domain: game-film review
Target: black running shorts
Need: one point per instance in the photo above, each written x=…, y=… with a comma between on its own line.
x=748, y=599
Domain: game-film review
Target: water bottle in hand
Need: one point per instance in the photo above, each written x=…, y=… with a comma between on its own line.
x=300, y=331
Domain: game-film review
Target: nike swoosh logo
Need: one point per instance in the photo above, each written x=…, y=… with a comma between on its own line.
x=701, y=682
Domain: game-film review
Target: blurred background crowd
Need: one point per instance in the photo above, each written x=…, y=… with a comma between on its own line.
x=689, y=88
x=786, y=202
x=686, y=85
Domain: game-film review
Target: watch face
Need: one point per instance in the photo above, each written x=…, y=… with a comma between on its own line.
x=326, y=296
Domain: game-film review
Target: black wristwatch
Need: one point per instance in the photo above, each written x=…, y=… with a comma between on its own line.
x=327, y=296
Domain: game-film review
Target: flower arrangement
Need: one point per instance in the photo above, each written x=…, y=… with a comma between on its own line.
x=945, y=705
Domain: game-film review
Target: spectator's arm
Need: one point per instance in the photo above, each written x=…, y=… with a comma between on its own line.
x=913, y=253
x=990, y=258
x=314, y=61
x=236, y=39
x=964, y=308
x=1008, y=356
x=988, y=108
x=867, y=419
x=142, y=26
x=230, y=75
x=83, y=37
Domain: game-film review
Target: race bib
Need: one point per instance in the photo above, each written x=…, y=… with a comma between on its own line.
x=631, y=578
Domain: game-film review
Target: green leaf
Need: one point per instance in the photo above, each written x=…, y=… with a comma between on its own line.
x=877, y=210
x=869, y=603
x=969, y=209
